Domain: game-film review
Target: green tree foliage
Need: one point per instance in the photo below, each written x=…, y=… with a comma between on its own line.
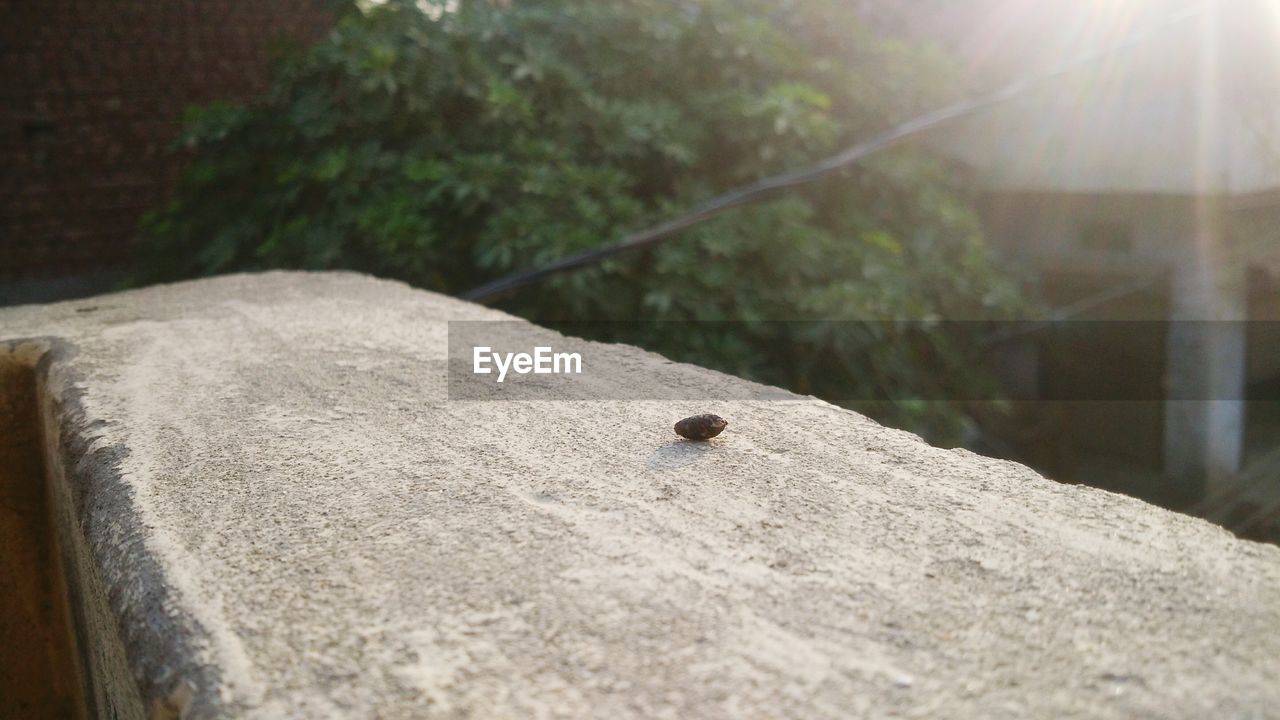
x=448, y=147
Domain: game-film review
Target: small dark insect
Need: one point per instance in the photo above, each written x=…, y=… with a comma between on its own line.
x=701, y=427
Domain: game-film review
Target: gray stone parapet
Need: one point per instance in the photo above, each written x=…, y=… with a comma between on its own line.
x=268, y=506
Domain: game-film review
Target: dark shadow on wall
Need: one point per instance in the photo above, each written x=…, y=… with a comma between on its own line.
x=40, y=676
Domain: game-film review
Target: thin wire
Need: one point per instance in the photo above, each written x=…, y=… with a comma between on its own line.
x=772, y=186
x=1075, y=309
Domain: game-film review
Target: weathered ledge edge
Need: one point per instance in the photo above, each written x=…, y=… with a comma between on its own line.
x=133, y=641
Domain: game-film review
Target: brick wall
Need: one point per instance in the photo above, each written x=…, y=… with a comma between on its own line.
x=92, y=93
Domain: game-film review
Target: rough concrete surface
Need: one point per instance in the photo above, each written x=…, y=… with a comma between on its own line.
x=291, y=519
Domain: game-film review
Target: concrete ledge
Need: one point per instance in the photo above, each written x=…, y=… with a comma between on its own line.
x=282, y=515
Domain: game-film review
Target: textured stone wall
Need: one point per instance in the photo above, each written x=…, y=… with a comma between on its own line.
x=273, y=505
x=92, y=93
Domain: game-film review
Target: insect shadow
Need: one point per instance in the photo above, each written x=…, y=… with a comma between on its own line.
x=678, y=453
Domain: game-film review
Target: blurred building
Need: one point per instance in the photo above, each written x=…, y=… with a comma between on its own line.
x=91, y=96
x=1143, y=188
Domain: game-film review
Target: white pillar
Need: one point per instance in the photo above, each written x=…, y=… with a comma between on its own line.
x=1205, y=378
